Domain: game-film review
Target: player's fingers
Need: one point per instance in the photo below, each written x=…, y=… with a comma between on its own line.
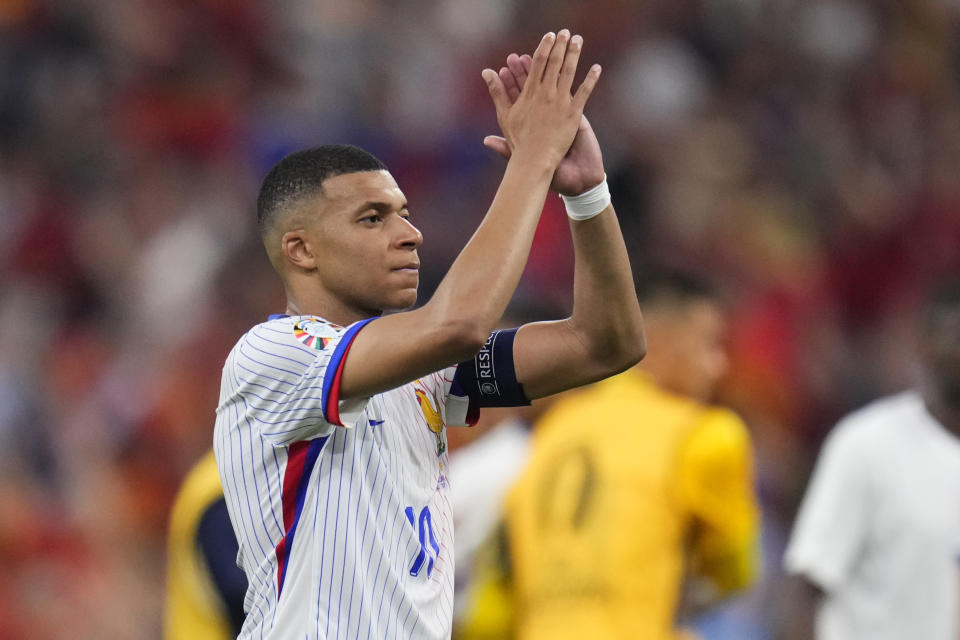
x=570, y=65
x=555, y=62
x=510, y=84
x=586, y=87
x=497, y=91
x=525, y=62
x=539, y=61
x=515, y=64
x=498, y=144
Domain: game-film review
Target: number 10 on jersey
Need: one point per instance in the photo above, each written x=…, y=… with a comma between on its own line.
x=424, y=527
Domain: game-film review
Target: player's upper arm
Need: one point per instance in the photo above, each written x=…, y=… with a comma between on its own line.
x=549, y=357
x=716, y=485
x=553, y=356
x=486, y=378
x=831, y=524
x=393, y=350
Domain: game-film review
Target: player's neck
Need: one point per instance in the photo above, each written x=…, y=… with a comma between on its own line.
x=327, y=307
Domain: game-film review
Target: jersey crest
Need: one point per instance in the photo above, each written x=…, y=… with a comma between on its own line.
x=432, y=415
x=315, y=332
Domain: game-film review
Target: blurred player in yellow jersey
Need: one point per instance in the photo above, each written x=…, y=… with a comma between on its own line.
x=638, y=500
x=205, y=588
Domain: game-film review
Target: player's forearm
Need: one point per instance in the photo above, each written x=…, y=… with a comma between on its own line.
x=477, y=288
x=606, y=314
x=541, y=125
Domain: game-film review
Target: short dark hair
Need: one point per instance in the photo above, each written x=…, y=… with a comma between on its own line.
x=670, y=286
x=301, y=174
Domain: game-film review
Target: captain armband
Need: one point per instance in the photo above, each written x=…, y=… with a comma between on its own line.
x=489, y=379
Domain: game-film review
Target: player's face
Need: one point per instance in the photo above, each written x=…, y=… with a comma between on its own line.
x=695, y=336
x=367, y=246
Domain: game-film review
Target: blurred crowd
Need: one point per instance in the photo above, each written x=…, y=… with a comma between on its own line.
x=802, y=152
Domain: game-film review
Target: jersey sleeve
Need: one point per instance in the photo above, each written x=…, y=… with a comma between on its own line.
x=717, y=488
x=489, y=379
x=286, y=379
x=829, y=530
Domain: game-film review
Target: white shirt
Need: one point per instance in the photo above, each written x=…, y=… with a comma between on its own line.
x=879, y=528
x=344, y=531
x=481, y=474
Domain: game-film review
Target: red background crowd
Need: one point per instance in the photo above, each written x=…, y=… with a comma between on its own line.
x=803, y=153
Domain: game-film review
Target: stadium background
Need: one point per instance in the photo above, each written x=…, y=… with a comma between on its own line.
x=803, y=152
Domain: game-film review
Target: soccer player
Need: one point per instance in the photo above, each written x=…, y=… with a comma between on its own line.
x=205, y=589
x=637, y=490
x=875, y=542
x=330, y=435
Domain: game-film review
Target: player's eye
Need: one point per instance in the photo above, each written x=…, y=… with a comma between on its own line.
x=405, y=214
x=372, y=218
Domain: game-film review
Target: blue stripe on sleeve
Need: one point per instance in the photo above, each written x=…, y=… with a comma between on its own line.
x=334, y=364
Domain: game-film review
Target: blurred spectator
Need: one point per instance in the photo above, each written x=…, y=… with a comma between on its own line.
x=877, y=537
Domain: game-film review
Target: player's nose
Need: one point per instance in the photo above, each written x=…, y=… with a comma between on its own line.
x=408, y=235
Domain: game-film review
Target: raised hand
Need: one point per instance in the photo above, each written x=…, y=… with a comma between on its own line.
x=582, y=166
x=541, y=118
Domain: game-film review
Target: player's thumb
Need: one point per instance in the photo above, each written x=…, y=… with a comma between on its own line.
x=498, y=144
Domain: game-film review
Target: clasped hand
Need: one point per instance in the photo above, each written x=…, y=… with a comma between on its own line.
x=538, y=114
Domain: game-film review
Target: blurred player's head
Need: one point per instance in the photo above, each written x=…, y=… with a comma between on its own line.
x=686, y=329
x=940, y=343
x=334, y=224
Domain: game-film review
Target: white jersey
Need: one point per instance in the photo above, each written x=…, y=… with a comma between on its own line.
x=879, y=528
x=344, y=531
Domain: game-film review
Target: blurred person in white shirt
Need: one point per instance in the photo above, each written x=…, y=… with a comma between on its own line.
x=875, y=542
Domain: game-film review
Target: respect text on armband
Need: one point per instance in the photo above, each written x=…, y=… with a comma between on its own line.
x=486, y=374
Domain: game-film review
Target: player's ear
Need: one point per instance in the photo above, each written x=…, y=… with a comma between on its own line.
x=297, y=250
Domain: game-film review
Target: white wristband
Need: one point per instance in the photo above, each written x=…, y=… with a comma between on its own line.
x=589, y=203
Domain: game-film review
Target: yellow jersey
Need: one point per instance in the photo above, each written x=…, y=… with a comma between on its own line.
x=629, y=489
x=195, y=608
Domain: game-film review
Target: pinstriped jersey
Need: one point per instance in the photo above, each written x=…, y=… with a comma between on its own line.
x=341, y=508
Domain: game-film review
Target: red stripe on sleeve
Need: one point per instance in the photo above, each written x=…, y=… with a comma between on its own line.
x=333, y=401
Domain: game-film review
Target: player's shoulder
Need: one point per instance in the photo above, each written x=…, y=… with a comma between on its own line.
x=283, y=346
x=310, y=331
x=878, y=426
x=721, y=423
x=199, y=489
x=882, y=416
x=282, y=333
x=716, y=434
x=203, y=479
